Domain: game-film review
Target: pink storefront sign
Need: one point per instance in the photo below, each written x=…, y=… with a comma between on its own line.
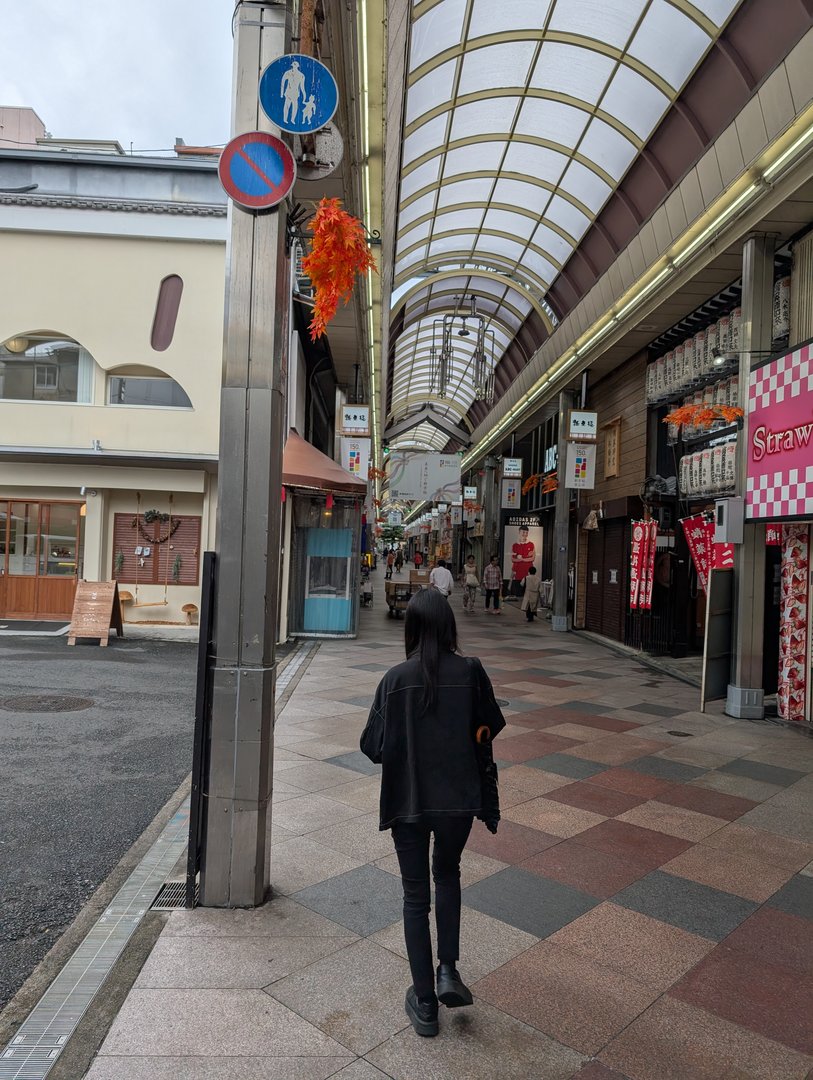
x=780, y=439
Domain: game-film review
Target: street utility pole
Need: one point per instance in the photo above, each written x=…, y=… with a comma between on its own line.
x=561, y=527
x=238, y=785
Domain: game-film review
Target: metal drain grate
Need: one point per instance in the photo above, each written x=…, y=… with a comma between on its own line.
x=45, y=703
x=171, y=896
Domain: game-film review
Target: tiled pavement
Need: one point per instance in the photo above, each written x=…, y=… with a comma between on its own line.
x=645, y=910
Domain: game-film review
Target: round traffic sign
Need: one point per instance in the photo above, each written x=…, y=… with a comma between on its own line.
x=298, y=93
x=257, y=170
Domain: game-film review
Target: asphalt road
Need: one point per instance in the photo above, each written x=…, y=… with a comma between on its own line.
x=78, y=788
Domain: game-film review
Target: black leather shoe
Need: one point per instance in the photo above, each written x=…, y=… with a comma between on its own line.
x=452, y=991
x=422, y=1014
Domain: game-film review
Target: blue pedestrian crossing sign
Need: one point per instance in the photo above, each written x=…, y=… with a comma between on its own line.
x=298, y=93
x=257, y=170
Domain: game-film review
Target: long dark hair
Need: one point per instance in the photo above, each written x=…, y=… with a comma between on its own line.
x=429, y=631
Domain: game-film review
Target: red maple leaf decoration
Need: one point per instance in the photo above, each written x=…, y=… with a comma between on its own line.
x=339, y=251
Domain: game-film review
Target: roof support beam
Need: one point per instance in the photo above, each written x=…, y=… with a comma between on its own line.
x=428, y=415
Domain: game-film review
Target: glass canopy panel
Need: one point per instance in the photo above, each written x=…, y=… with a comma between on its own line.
x=570, y=69
x=669, y=42
x=520, y=225
x=464, y=159
x=438, y=29
x=424, y=205
x=608, y=148
x=537, y=264
x=419, y=178
x=550, y=241
x=634, y=101
x=442, y=245
x=611, y=21
x=424, y=139
x=410, y=261
x=488, y=17
x=496, y=66
x=480, y=117
x=452, y=220
x=552, y=121
x=414, y=236
x=585, y=185
x=465, y=191
x=539, y=162
x=567, y=216
x=719, y=10
x=518, y=193
x=436, y=86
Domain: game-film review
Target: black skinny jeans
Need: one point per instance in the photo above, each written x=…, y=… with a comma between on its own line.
x=412, y=847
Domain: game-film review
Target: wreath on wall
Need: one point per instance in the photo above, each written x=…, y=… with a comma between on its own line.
x=155, y=515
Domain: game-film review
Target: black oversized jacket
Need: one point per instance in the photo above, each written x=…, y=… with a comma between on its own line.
x=428, y=759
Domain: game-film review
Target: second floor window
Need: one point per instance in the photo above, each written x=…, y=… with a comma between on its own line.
x=39, y=367
x=147, y=392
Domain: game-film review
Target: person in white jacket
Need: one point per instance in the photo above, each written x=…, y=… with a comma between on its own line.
x=530, y=601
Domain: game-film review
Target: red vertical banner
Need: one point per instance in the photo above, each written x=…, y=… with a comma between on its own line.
x=649, y=564
x=793, y=609
x=636, y=554
x=697, y=538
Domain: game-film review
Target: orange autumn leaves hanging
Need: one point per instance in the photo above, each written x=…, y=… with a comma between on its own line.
x=702, y=416
x=339, y=252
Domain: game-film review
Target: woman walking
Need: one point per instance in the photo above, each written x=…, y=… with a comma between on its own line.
x=422, y=730
x=471, y=583
x=530, y=601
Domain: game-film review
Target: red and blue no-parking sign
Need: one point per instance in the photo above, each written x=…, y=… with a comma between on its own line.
x=257, y=170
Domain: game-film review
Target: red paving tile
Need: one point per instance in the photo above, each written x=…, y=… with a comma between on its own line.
x=512, y=844
x=632, y=782
x=604, y=723
x=595, y=872
x=765, y=997
x=631, y=841
x=568, y=997
x=521, y=748
x=736, y=874
x=594, y=1070
x=706, y=801
x=773, y=936
x=601, y=800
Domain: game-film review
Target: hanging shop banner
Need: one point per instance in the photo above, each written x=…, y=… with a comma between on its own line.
x=580, y=466
x=434, y=477
x=793, y=622
x=779, y=482
x=356, y=457
x=394, y=518
x=512, y=466
x=642, y=564
x=706, y=555
x=457, y=515
x=511, y=494
x=582, y=426
x=522, y=547
x=773, y=535
x=469, y=494
x=353, y=420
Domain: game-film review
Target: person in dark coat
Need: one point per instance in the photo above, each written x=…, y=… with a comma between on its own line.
x=421, y=730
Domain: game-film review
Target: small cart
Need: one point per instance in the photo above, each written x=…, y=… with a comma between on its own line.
x=399, y=593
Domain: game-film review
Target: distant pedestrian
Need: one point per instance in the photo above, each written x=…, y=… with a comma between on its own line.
x=418, y=560
x=441, y=579
x=421, y=730
x=471, y=583
x=390, y=564
x=492, y=579
x=530, y=601
x=399, y=562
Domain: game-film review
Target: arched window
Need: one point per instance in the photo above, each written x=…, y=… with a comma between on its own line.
x=145, y=387
x=44, y=366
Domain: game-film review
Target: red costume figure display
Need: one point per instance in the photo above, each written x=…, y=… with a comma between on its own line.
x=523, y=554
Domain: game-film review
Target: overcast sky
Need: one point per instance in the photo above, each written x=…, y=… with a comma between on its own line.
x=141, y=72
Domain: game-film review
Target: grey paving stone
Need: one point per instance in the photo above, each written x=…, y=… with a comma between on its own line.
x=217, y=1068
x=482, y=1043
x=280, y=917
x=357, y=761
x=566, y=765
x=651, y=709
x=363, y=702
x=213, y=1023
x=768, y=774
x=697, y=908
x=521, y=703
x=301, y=862
x=665, y=769
x=356, y=995
x=796, y=898
x=371, y=667
x=585, y=706
x=361, y=1070
x=597, y=674
x=527, y=901
x=363, y=900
